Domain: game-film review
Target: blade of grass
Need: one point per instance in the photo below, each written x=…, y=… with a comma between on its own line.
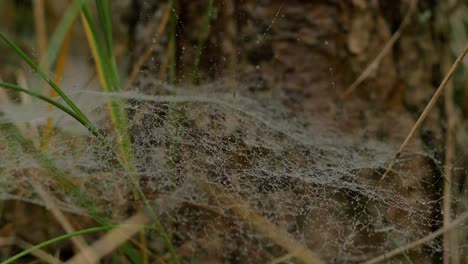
x=82, y=199
x=111, y=240
x=103, y=7
x=96, y=47
x=109, y=79
x=57, y=239
x=38, y=253
x=11, y=132
x=36, y=68
x=64, y=108
x=59, y=68
x=64, y=26
x=52, y=206
x=201, y=41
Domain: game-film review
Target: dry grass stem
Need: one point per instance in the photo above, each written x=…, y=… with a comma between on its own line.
x=59, y=70
x=285, y=257
x=385, y=50
x=111, y=241
x=38, y=253
x=449, y=157
x=141, y=61
x=462, y=218
x=40, y=27
x=78, y=241
x=263, y=225
x=426, y=111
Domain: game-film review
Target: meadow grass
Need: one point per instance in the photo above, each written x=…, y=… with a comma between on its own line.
x=100, y=41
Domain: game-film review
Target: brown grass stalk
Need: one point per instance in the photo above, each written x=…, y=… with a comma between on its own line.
x=386, y=256
x=111, y=240
x=78, y=241
x=262, y=225
x=449, y=157
x=426, y=111
x=385, y=50
x=40, y=27
x=141, y=61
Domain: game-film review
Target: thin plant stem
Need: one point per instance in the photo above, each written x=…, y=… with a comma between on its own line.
x=388, y=255
x=385, y=50
x=57, y=239
x=425, y=113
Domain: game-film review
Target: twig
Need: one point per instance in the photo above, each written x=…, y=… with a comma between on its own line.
x=463, y=217
x=426, y=111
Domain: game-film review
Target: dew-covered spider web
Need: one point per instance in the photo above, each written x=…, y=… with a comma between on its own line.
x=194, y=145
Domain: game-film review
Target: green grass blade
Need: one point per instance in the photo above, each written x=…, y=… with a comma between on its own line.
x=105, y=64
x=103, y=8
x=108, y=77
x=83, y=200
x=132, y=253
x=60, y=33
x=60, y=106
x=44, y=77
x=57, y=239
x=97, y=49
